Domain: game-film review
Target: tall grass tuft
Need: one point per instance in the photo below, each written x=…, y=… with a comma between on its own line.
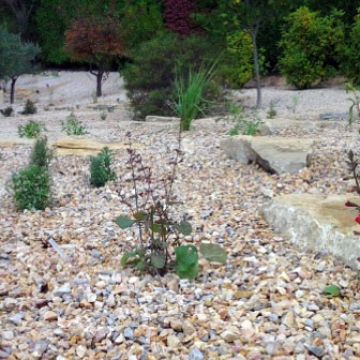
x=190, y=95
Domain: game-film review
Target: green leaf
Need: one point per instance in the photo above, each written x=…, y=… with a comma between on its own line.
x=140, y=216
x=187, y=262
x=213, y=253
x=332, y=291
x=128, y=258
x=124, y=222
x=185, y=228
x=158, y=260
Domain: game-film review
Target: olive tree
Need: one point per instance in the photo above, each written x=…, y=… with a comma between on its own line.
x=16, y=58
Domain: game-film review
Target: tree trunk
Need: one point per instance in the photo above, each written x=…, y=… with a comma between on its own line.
x=12, y=90
x=99, y=78
x=256, y=66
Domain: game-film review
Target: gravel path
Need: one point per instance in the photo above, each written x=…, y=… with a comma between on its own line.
x=266, y=303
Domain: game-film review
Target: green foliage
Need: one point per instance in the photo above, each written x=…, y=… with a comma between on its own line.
x=213, y=253
x=150, y=77
x=237, y=67
x=11, y=48
x=271, y=112
x=190, y=94
x=141, y=20
x=332, y=291
x=31, y=188
x=100, y=168
x=72, y=126
x=351, y=66
x=29, y=108
x=311, y=47
x=354, y=109
x=242, y=125
x=187, y=262
x=32, y=129
x=8, y=111
x=41, y=155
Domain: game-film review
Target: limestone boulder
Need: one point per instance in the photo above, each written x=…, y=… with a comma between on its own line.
x=318, y=223
x=162, y=119
x=84, y=146
x=275, y=154
x=276, y=126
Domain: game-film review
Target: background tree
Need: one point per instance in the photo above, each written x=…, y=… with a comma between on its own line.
x=16, y=58
x=21, y=9
x=97, y=41
x=312, y=47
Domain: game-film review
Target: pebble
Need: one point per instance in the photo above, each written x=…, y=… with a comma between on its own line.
x=196, y=354
x=128, y=333
x=173, y=341
x=7, y=335
x=81, y=351
x=50, y=316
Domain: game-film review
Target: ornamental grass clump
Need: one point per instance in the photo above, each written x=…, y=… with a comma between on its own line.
x=190, y=96
x=159, y=230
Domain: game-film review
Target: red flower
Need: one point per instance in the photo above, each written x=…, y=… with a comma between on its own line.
x=357, y=219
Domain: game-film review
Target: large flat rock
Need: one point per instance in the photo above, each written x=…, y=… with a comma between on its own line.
x=277, y=125
x=275, y=154
x=318, y=223
x=85, y=147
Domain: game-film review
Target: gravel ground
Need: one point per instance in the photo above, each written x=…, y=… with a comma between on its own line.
x=266, y=303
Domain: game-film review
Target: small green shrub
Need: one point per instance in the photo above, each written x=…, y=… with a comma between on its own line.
x=242, y=125
x=72, y=126
x=41, y=155
x=272, y=111
x=31, y=188
x=294, y=104
x=29, y=108
x=100, y=168
x=311, y=47
x=8, y=111
x=32, y=129
x=103, y=116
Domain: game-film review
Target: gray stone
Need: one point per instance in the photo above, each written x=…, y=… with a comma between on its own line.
x=39, y=349
x=275, y=154
x=315, y=350
x=62, y=291
x=196, y=354
x=129, y=333
x=334, y=116
x=318, y=223
x=16, y=319
x=278, y=125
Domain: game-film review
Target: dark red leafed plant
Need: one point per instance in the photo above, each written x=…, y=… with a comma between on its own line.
x=97, y=41
x=178, y=16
